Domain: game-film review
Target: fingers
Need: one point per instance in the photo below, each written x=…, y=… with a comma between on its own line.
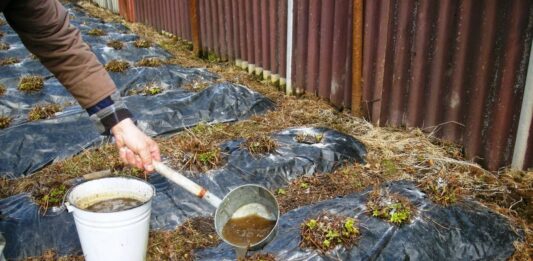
x=122, y=154
x=146, y=156
x=130, y=156
x=135, y=148
x=154, y=151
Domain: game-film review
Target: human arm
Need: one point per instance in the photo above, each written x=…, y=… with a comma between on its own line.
x=45, y=30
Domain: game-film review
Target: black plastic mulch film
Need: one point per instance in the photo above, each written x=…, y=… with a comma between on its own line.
x=466, y=231
x=29, y=146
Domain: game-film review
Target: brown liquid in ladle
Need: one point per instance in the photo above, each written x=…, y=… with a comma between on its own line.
x=248, y=230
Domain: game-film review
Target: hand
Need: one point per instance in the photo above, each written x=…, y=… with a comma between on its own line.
x=135, y=148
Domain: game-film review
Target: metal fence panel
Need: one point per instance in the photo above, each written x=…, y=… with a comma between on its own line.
x=454, y=68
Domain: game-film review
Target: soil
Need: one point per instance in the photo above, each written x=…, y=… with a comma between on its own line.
x=393, y=154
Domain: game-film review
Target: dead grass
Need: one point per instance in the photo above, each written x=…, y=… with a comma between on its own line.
x=142, y=43
x=196, y=86
x=259, y=257
x=2, y=34
x=150, y=62
x=181, y=243
x=115, y=44
x=327, y=230
x=308, y=190
x=32, y=83
x=2, y=22
x=96, y=32
x=260, y=144
x=149, y=89
x=51, y=255
x=117, y=66
x=393, y=208
x=43, y=111
x=193, y=154
x=4, y=46
x=2, y=89
x=393, y=154
x=5, y=121
x=9, y=61
x=45, y=180
x=309, y=139
x=444, y=189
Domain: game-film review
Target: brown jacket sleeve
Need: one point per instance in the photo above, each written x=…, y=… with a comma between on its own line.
x=44, y=27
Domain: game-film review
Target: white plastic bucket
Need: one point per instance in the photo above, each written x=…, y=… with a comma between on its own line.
x=121, y=235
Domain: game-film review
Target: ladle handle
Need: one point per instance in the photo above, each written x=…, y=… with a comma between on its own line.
x=187, y=184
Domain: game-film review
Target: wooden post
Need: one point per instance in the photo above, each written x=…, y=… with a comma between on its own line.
x=357, y=59
x=195, y=29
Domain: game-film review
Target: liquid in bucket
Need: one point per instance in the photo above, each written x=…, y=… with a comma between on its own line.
x=247, y=231
x=114, y=205
x=112, y=217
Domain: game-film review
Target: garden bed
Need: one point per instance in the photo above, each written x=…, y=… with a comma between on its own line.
x=393, y=155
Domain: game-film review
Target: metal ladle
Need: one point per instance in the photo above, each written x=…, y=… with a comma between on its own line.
x=242, y=201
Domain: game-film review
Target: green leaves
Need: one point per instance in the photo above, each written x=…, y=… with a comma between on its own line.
x=311, y=224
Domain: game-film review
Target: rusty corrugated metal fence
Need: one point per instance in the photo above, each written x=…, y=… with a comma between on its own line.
x=455, y=68
x=171, y=16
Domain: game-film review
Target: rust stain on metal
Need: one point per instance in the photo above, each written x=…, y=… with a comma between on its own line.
x=195, y=27
x=453, y=68
x=357, y=59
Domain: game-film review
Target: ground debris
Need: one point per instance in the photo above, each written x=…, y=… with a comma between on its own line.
x=43, y=111
x=31, y=83
x=308, y=190
x=327, y=231
x=9, y=61
x=148, y=90
x=5, y=121
x=180, y=244
x=195, y=155
x=259, y=257
x=443, y=188
x=96, y=32
x=149, y=62
x=393, y=154
x=394, y=208
x=260, y=144
x=4, y=46
x=117, y=66
x=115, y=44
x=51, y=255
x=142, y=43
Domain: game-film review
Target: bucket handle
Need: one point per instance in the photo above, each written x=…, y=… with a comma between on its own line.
x=187, y=184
